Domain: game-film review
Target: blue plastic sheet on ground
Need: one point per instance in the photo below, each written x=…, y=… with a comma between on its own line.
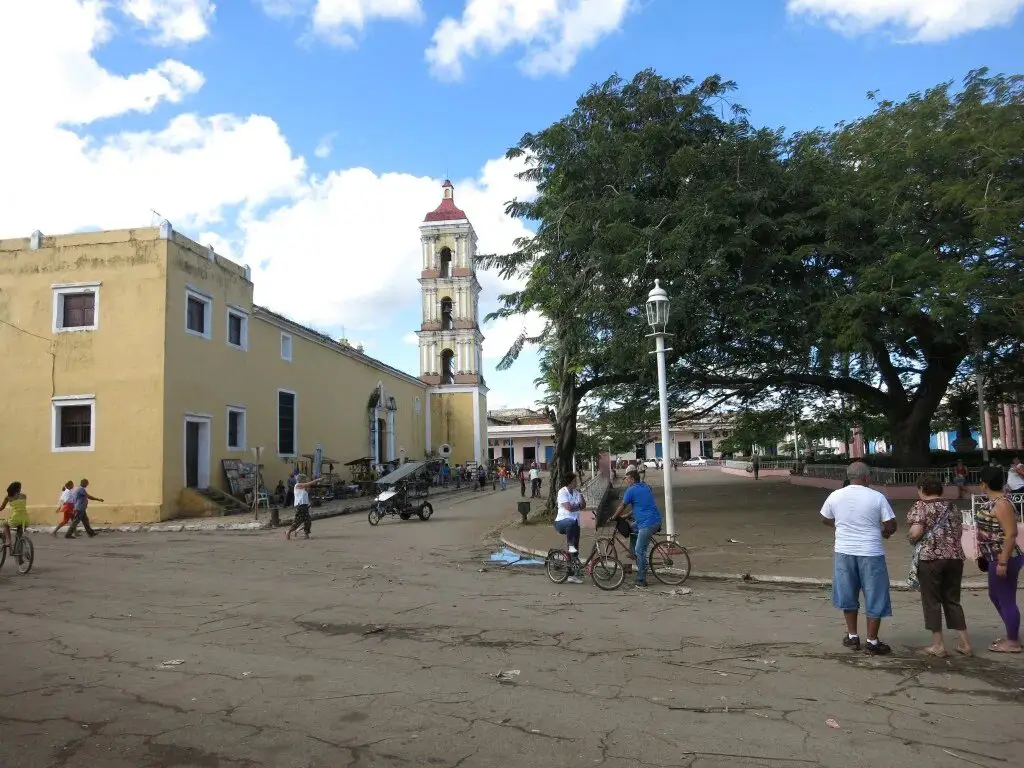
x=508, y=557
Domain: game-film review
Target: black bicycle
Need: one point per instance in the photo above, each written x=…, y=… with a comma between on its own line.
x=21, y=549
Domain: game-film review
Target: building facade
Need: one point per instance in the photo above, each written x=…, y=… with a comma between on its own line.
x=450, y=340
x=137, y=359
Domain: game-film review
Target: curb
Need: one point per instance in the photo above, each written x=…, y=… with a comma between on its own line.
x=220, y=527
x=750, y=578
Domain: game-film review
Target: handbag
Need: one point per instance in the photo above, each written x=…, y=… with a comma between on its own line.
x=913, y=582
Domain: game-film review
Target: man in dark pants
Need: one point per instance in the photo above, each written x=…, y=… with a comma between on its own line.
x=81, y=499
x=302, y=518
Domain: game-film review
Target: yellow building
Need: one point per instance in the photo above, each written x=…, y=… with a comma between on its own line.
x=451, y=344
x=137, y=359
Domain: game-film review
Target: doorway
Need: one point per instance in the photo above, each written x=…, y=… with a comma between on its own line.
x=529, y=455
x=197, y=452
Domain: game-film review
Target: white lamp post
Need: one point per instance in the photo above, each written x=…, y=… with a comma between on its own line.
x=657, y=318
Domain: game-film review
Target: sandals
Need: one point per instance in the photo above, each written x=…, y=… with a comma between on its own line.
x=1001, y=646
x=935, y=652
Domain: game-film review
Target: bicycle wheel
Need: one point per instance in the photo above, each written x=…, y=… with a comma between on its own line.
x=24, y=554
x=557, y=566
x=426, y=511
x=606, y=572
x=606, y=547
x=670, y=563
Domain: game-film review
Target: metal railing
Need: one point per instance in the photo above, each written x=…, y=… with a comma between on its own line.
x=1017, y=499
x=886, y=476
x=748, y=466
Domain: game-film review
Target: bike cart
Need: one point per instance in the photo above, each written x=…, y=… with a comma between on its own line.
x=403, y=494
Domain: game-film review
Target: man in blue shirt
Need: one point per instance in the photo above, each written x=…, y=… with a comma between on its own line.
x=646, y=519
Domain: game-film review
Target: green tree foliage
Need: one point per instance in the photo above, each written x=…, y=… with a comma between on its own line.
x=867, y=263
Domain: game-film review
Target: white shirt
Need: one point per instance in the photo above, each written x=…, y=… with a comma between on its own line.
x=66, y=497
x=535, y=474
x=1013, y=479
x=573, y=499
x=301, y=496
x=859, y=512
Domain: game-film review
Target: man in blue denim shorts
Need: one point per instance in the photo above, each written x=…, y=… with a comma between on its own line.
x=861, y=517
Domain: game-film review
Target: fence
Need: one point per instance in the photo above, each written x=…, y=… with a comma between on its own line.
x=884, y=476
x=1017, y=499
x=765, y=464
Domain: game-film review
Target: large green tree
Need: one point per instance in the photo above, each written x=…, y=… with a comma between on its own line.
x=604, y=190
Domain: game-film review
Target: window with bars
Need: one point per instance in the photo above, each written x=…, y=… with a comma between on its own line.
x=73, y=424
x=237, y=329
x=195, y=319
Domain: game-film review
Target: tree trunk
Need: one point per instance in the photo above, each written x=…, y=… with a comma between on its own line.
x=565, y=436
x=910, y=449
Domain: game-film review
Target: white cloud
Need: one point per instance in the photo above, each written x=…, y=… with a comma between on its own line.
x=325, y=146
x=340, y=22
x=921, y=21
x=411, y=338
x=553, y=32
x=172, y=21
x=355, y=232
x=189, y=170
x=358, y=233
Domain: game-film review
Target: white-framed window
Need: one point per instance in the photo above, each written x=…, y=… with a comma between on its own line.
x=76, y=307
x=238, y=328
x=73, y=423
x=198, y=313
x=236, y=428
x=286, y=347
x=287, y=423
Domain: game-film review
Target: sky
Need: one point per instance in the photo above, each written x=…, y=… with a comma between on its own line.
x=308, y=138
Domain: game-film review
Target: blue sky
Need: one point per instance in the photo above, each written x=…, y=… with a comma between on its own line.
x=212, y=114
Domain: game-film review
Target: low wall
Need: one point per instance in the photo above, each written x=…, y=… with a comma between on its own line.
x=891, y=492
x=762, y=473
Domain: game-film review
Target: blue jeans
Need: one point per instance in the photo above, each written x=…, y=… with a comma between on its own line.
x=504, y=483
x=571, y=530
x=852, y=574
x=640, y=547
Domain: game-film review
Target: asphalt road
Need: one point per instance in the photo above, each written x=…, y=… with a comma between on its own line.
x=381, y=647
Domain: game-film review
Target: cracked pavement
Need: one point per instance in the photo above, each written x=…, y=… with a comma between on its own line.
x=299, y=655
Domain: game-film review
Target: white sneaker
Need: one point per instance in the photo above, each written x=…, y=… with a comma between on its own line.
x=574, y=580
x=573, y=551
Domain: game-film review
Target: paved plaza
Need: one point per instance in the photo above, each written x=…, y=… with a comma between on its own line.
x=403, y=645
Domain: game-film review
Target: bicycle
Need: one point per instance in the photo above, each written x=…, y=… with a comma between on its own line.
x=22, y=550
x=605, y=571
x=667, y=559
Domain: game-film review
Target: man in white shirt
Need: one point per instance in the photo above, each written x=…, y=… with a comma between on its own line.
x=1015, y=481
x=567, y=520
x=535, y=481
x=861, y=517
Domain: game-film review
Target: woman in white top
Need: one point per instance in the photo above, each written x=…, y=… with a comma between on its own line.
x=567, y=519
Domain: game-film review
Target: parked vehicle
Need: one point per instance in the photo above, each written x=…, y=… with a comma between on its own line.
x=696, y=461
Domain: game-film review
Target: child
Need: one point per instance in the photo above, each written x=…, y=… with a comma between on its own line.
x=18, y=503
x=66, y=506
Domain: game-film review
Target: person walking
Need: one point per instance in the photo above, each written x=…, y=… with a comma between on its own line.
x=646, y=520
x=756, y=464
x=522, y=480
x=302, y=517
x=861, y=518
x=938, y=564
x=503, y=476
x=81, y=499
x=999, y=555
x=1015, y=483
x=66, y=505
x=960, y=478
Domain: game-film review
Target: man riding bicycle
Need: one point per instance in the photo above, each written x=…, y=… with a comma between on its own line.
x=646, y=520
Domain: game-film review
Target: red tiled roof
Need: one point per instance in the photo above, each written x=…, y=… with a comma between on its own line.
x=447, y=210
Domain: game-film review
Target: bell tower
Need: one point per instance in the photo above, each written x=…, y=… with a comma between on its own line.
x=450, y=341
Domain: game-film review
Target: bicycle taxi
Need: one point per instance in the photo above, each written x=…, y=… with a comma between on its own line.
x=403, y=493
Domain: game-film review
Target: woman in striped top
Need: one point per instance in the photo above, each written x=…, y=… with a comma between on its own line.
x=996, y=522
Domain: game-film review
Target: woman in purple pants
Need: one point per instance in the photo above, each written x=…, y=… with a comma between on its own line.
x=996, y=521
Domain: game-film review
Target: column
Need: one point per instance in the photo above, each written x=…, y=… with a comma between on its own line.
x=430, y=253
x=458, y=251
x=456, y=304
x=1017, y=426
x=1001, y=418
x=1011, y=435
x=988, y=429
x=425, y=253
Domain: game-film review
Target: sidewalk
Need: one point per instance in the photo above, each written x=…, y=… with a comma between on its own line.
x=733, y=528
x=246, y=521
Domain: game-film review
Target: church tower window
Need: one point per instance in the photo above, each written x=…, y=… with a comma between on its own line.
x=447, y=323
x=447, y=367
x=446, y=262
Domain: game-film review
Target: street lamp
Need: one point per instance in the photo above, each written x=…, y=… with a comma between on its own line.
x=657, y=318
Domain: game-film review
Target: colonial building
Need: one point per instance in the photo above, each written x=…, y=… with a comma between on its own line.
x=137, y=358
x=450, y=340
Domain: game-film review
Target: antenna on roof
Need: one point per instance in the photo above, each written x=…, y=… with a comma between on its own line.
x=156, y=218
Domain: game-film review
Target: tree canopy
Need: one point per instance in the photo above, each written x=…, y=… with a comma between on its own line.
x=869, y=262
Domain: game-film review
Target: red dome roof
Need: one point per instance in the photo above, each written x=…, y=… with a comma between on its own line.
x=447, y=210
